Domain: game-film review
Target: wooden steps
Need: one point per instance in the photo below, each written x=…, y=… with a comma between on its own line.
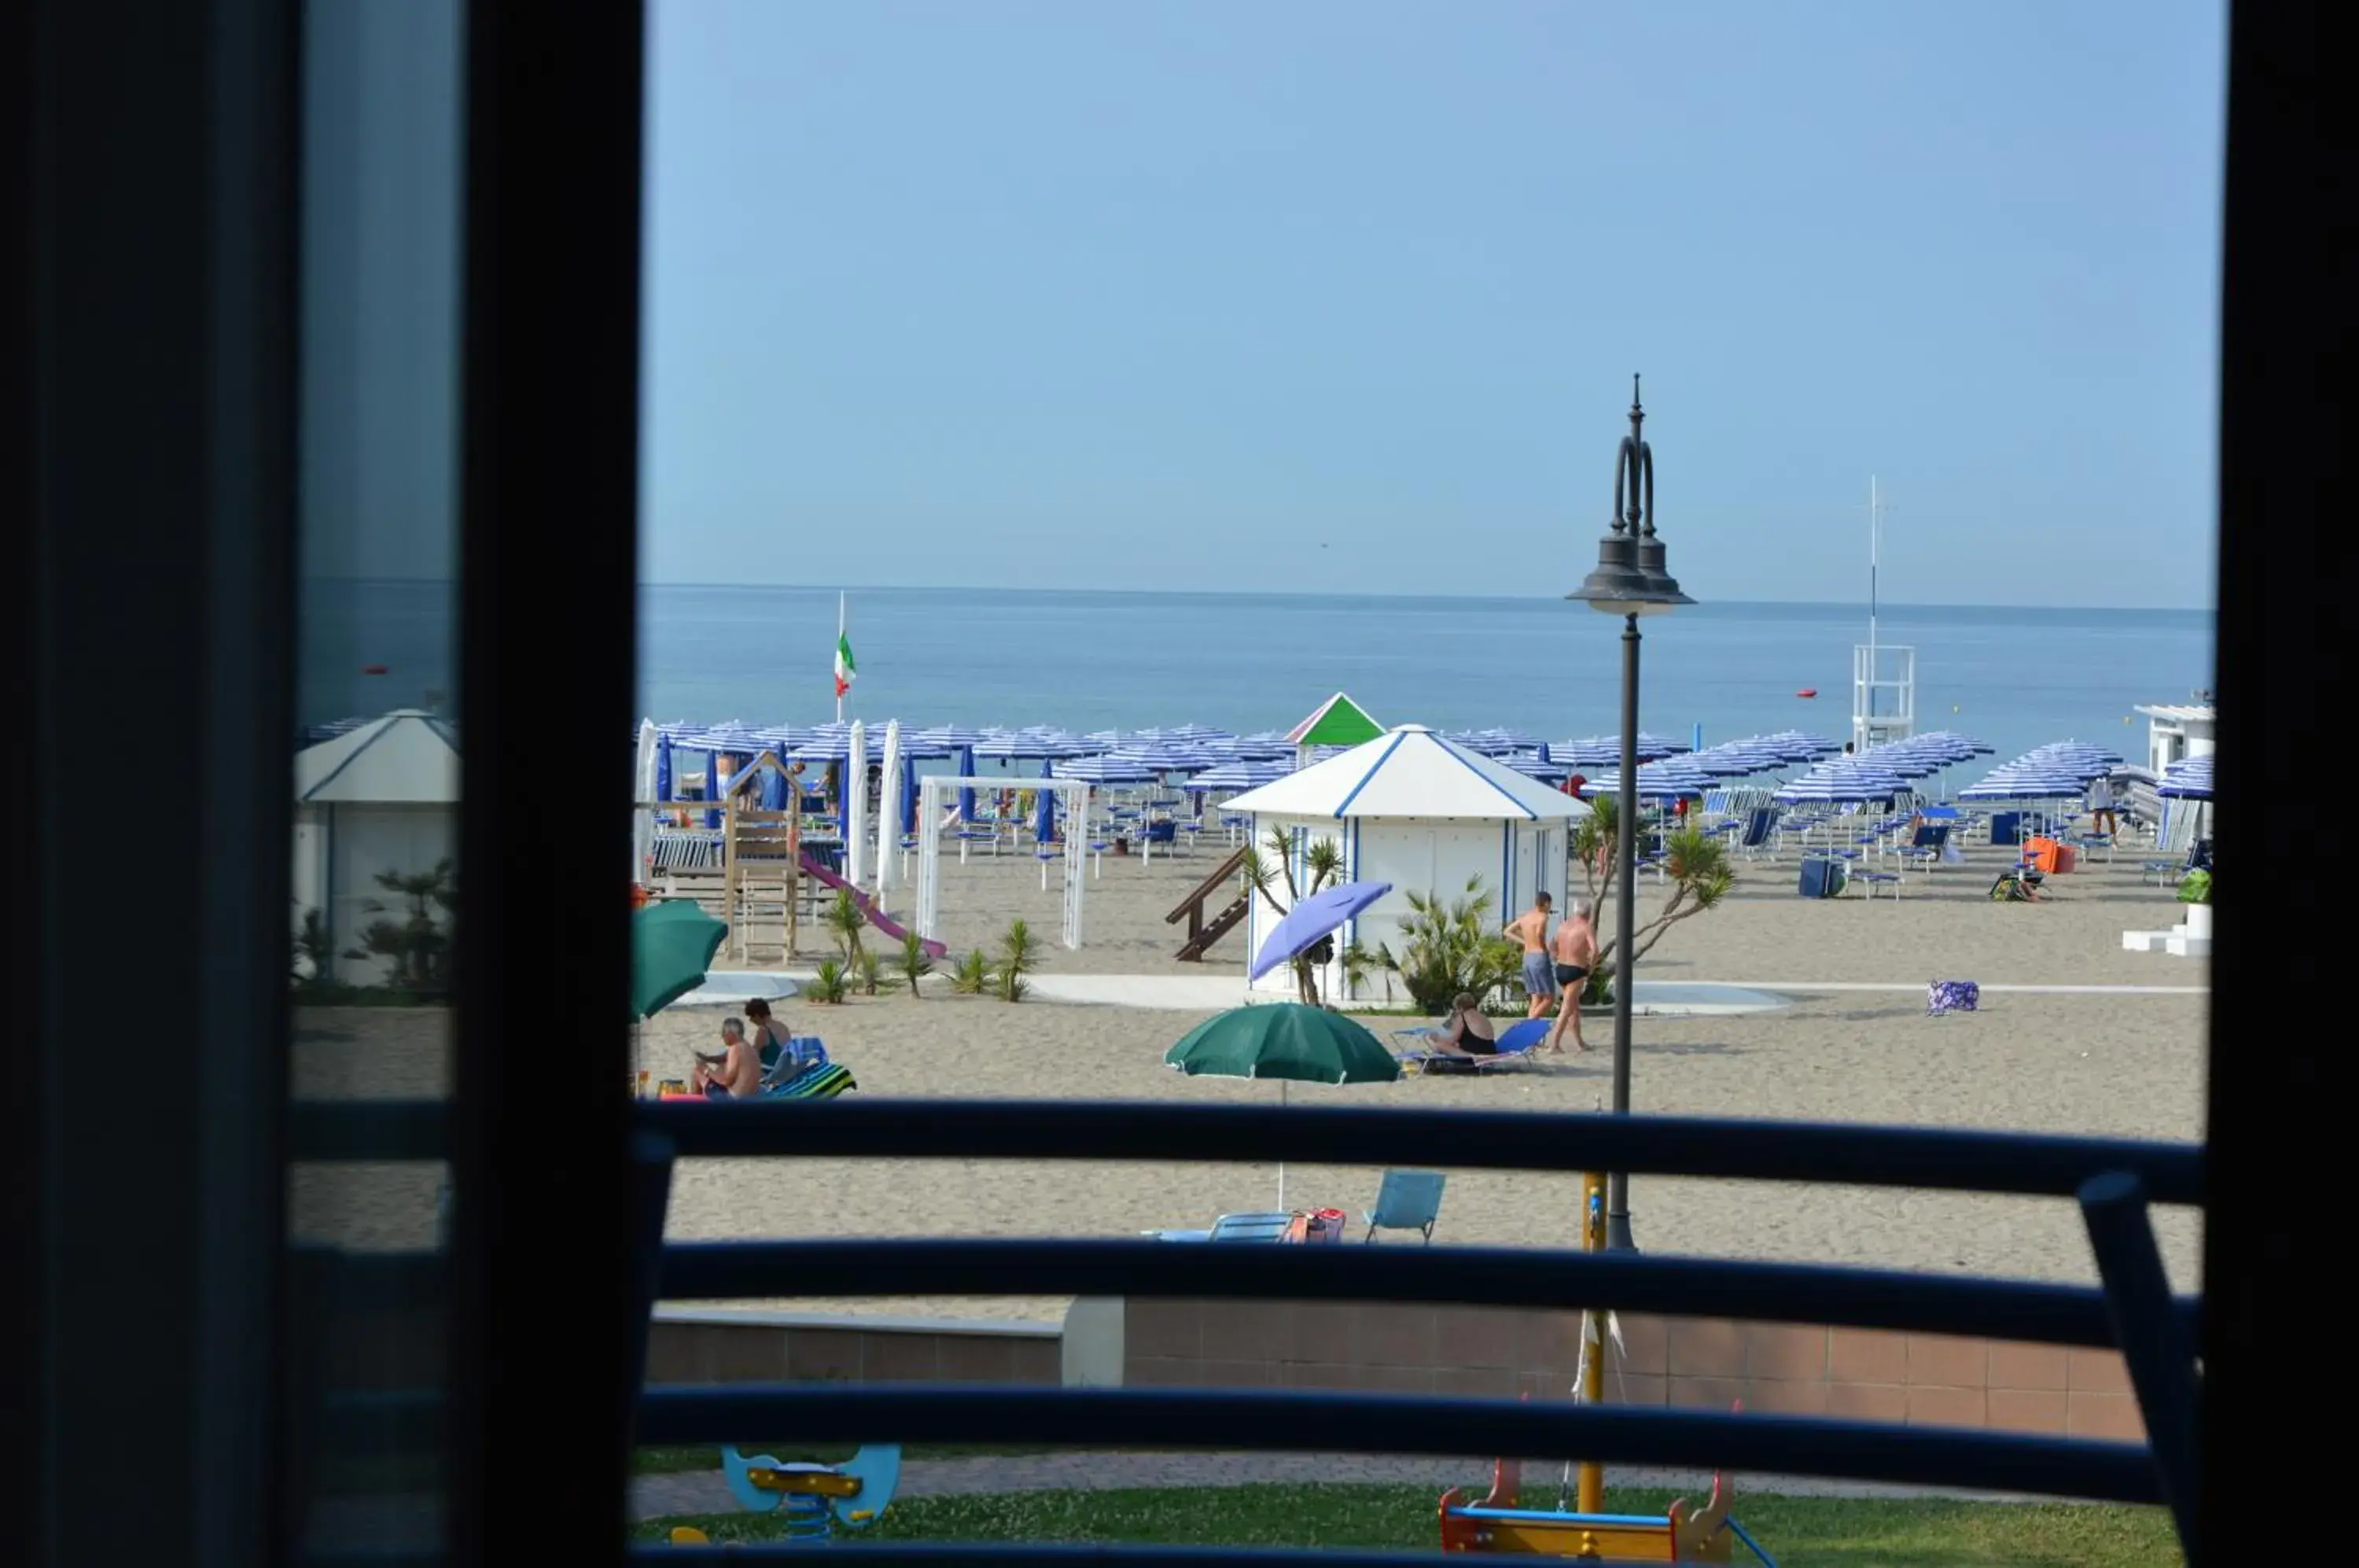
x=1202, y=933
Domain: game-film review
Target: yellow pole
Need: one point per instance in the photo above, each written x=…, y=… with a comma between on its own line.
x=1592, y=1492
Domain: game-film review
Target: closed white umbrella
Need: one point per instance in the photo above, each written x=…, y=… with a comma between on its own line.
x=643, y=787
x=855, y=819
x=888, y=807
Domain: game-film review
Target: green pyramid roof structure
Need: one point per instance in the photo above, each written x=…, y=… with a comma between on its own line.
x=1339, y=721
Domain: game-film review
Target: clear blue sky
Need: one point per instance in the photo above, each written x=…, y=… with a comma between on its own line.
x=1155, y=295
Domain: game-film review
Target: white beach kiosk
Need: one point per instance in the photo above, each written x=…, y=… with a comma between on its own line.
x=1411, y=808
x=380, y=797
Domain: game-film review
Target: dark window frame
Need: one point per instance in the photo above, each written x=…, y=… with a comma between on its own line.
x=552, y=331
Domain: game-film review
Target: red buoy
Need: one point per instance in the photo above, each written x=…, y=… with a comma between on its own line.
x=1808, y=691
x=376, y=669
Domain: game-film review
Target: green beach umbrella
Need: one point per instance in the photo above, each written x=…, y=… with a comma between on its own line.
x=1288, y=1041
x=671, y=945
x=1284, y=1040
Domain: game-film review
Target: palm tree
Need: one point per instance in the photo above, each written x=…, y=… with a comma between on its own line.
x=1323, y=867
x=1449, y=946
x=844, y=920
x=1697, y=873
x=1019, y=955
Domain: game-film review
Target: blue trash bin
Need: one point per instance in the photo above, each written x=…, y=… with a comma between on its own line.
x=1820, y=879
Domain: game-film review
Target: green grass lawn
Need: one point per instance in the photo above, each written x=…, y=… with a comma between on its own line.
x=1797, y=1532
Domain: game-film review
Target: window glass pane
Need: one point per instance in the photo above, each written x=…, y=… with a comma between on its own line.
x=1150, y=385
x=376, y=768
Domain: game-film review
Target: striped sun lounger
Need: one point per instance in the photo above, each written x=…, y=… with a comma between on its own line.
x=822, y=1082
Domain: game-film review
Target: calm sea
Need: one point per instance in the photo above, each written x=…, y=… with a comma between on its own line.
x=1092, y=660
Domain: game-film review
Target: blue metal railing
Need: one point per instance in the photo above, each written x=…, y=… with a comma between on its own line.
x=2114, y=1182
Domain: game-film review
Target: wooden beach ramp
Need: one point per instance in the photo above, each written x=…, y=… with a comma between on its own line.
x=1202, y=933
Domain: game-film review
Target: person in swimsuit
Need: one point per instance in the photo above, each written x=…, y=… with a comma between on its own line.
x=1530, y=928
x=1574, y=949
x=736, y=1073
x=772, y=1045
x=2101, y=807
x=1469, y=1031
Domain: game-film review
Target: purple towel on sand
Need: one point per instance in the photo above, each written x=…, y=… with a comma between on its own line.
x=1952, y=997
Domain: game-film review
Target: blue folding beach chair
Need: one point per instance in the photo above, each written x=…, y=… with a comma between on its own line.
x=1406, y=1200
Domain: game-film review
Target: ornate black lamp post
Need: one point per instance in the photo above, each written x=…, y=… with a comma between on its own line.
x=1629, y=582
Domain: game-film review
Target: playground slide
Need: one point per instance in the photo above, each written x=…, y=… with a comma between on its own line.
x=877, y=917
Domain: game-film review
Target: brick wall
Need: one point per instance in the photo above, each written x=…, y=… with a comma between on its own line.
x=691, y=1347
x=1920, y=1379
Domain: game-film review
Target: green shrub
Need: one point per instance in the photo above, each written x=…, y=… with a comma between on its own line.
x=914, y=963
x=829, y=983
x=1446, y=948
x=1019, y=957
x=973, y=976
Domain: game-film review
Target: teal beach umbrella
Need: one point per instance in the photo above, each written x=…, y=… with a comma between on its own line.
x=1288, y=1041
x=672, y=944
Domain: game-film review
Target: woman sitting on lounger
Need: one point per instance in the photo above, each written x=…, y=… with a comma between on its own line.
x=1468, y=1032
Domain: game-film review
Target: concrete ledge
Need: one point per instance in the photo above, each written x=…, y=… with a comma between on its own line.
x=2175, y=942
x=709, y=1346
x=1679, y=1363
x=1019, y=1328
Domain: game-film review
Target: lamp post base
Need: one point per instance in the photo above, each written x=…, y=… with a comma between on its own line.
x=1618, y=1231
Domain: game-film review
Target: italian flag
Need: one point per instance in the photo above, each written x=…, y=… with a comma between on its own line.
x=845, y=669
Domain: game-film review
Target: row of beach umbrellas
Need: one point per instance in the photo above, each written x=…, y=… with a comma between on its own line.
x=1213, y=760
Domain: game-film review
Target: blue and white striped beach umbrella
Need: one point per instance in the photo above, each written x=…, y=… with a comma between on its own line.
x=1532, y=765
x=835, y=747
x=1160, y=757
x=1844, y=780
x=2189, y=778
x=1105, y=768
x=1800, y=746
x=2027, y=779
x=944, y=740
x=1241, y=773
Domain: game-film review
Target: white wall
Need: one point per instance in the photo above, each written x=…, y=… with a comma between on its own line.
x=1424, y=857
x=1263, y=916
x=364, y=840
x=1417, y=856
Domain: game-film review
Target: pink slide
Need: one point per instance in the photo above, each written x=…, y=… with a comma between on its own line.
x=877, y=917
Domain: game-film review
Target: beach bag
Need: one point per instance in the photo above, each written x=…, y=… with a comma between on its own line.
x=1952, y=997
x=1315, y=1226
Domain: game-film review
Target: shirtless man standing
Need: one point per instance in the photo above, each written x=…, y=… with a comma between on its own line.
x=1575, y=950
x=1530, y=928
x=736, y=1072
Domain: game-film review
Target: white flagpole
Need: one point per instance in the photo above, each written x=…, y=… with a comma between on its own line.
x=840, y=629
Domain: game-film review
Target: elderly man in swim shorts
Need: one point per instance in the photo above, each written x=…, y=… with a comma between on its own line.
x=1530, y=928
x=1575, y=952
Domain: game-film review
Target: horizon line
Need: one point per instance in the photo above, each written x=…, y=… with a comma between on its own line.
x=2211, y=608
x=1888, y=605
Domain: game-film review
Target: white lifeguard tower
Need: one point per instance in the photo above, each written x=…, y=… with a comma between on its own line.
x=1883, y=678
x=1882, y=694
x=2175, y=731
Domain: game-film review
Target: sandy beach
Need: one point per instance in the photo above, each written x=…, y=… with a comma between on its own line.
x=2115, y=1061
x=1942, y=926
